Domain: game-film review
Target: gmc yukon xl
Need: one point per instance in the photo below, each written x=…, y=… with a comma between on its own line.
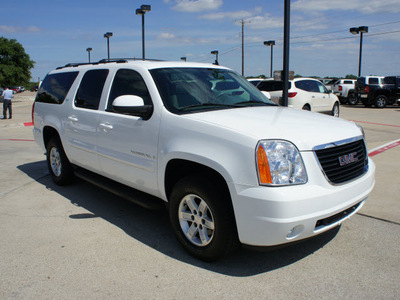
x=232, y=167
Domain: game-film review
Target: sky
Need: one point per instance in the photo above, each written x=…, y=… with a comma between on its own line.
x=57, y=32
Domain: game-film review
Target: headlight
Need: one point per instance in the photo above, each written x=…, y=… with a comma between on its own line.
x=279, y=163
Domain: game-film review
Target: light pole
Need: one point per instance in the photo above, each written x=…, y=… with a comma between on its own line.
x=270, y=43
x=107, y=35
x=286, y=41
x=142, y=11
x=88, y=50
x=215, y=52
x=359, y=30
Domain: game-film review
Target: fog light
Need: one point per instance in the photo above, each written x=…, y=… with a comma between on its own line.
x=295, y=231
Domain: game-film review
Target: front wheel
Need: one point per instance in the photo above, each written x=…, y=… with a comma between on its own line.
x=336, y=110
x=202, y=218
x=58, y=164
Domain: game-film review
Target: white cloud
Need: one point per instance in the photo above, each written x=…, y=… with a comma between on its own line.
x=362, y=6
x=253, y=18
x=33, y=29
x=265, y=21
x=228, y=15
x=166, y=36
x=15, y=29
x=234, y=15
x=8, y=29
x=197, y=5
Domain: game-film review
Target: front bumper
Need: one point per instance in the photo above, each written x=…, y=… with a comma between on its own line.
x=269, y=216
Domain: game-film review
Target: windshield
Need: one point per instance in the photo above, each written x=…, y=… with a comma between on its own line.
x=187, y=90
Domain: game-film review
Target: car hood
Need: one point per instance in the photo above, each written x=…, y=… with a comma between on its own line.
x=305, y=129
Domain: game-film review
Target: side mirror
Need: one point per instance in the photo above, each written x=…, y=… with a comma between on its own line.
x=132, y=105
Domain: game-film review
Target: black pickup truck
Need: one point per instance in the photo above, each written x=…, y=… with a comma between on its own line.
x=385, y=93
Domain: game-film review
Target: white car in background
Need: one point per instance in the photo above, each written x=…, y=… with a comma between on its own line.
x=304, y=93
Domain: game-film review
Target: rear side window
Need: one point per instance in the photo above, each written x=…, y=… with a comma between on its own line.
x=89, y=92
x=270, y=86
x=307, y=85
x=373, y=81
x=389, y=80
x=55, y=87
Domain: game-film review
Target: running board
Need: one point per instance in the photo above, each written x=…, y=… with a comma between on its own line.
x=121, y=190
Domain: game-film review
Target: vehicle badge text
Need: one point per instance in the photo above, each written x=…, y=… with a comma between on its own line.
x=348, y=159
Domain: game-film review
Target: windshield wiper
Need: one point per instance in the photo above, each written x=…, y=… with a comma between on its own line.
x=252, y=102
x=207, y=105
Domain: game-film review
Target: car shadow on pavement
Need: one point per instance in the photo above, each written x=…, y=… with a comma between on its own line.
x=152, y=228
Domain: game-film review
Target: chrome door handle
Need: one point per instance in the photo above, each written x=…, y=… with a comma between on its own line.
x=73, y=118
x=106, y=126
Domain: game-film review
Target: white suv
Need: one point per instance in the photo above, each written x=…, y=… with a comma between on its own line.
x=304, y=93
x=232, y=166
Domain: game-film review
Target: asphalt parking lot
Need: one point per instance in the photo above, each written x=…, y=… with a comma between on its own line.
x=80, y=242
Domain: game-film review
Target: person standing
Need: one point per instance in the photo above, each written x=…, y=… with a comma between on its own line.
x=7, y=95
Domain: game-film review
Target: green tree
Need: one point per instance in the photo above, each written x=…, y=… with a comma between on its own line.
x=351, y=76
x=15, y=64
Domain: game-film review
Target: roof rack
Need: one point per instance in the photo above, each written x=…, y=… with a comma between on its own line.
x=105, y=61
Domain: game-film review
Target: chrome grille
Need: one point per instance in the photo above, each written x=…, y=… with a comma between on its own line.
x=344, y=162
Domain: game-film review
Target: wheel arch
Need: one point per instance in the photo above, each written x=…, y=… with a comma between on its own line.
x=177, y=169
x=381, y=92
x=48, y=133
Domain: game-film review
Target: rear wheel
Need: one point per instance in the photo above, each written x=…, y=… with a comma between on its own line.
x=352, y=99
x=336, y=110
x=380, y=101
x=202, y=218
x=306, y=107
x=58, y=164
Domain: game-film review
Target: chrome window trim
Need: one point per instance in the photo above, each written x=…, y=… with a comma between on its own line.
x=338, y=143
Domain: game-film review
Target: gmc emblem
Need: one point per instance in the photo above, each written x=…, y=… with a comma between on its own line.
x=348, y=159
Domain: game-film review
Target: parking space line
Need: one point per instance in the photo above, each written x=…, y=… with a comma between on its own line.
x=384, y=148
x=381, y=124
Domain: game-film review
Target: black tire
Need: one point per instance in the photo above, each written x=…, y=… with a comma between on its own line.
x=352, y=99
x=381, y=101
x=306, y=107
x=58, y=164
x=335, y=110
x=202, y=218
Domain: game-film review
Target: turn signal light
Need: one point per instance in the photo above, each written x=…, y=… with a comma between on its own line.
x=263, y=166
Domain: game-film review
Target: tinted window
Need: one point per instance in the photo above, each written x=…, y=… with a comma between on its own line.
x=271, y=86
x=373, y=81
x=128, y=82
x=303, y=85
x=307, y=85
x=389, y=80
x=347, y=82
x=89, y=92
x=55, y=87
